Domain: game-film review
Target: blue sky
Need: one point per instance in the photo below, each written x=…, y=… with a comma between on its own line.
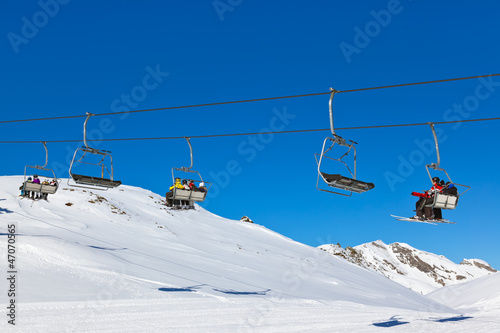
x=63, y=58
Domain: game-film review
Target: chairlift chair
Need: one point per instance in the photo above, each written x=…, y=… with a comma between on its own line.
x=92, y=182
x=189, y=195
x=338, y=181
x=41, y=188
x=443, y=200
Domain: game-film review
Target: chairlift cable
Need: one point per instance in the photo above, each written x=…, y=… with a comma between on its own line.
x=418, y=83
x=252, y=100
x=261, y=133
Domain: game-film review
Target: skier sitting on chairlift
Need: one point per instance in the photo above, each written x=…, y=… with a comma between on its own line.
x=427, y=198
x=450, y=189
x=202, y=187
x=45, y=195
x=185, y=203
x=36, y=180
x=23, y=192
x=169, y=195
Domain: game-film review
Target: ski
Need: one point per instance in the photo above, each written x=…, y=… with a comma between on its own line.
x=179, y=208
x=410, y=219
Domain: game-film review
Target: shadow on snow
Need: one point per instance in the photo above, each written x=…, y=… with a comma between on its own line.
x=444, y=320
x=106, y=248
x=234, y=292
x=5, y=211
x=186, y=289
x=394, y=321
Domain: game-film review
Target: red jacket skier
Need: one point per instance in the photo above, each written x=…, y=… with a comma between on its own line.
x=427, y=198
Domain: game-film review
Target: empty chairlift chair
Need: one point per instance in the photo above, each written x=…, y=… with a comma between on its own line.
x=348, y=183
x=105, y=181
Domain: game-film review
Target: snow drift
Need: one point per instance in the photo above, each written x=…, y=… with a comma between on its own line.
x=480, y=294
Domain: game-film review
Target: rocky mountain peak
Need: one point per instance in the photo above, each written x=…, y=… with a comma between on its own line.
x=478, y=263
x=418, y=270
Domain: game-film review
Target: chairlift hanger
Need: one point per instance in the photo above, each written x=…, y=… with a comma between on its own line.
x=191, y=156
x=435, y=166
x=42, y=188
x=349, y=184
x=442, y=200
x=90, y=182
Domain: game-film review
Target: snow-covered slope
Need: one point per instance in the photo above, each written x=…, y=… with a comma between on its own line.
x=480, y=294
x=418, y=270
x=123, y=244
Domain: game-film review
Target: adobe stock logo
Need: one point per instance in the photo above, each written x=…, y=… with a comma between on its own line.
x=373, y=28
x=123, y=104
x=139, y=93
x=31, y=27
x=248, y=150
x=425, y=148
x=223, y=6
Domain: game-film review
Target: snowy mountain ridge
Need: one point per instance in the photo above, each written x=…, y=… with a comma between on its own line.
x=418, y=270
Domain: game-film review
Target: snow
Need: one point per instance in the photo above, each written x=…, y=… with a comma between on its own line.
x=418, y=270
x=118, y=260
x=478, y=295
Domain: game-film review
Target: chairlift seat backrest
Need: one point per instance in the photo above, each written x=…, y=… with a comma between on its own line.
x=95, y=181
x=42, y=188
x=444, y=201
x=345, y=183
x=183, y=194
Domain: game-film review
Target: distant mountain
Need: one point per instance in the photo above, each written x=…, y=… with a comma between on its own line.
x=418, y=270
